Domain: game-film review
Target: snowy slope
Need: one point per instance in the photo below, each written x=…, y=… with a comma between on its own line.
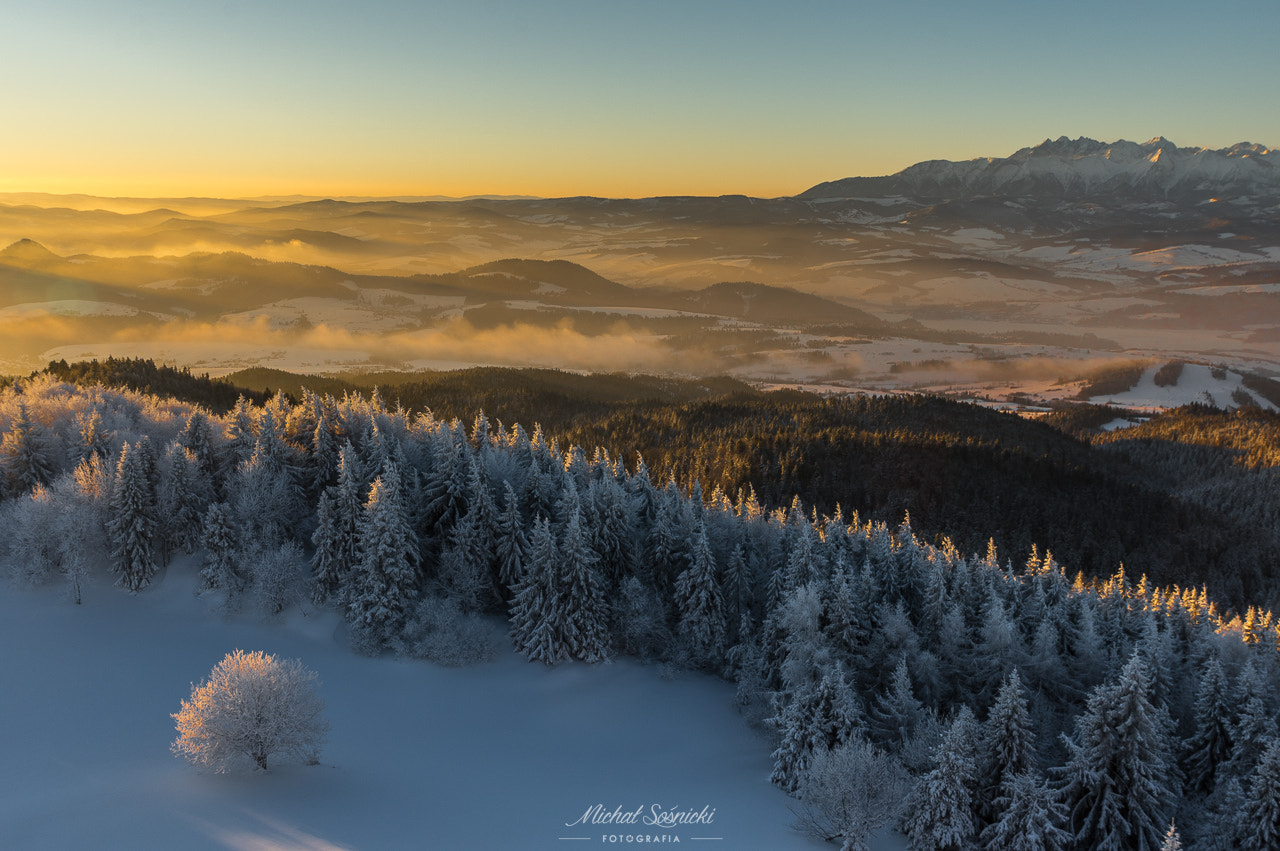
x=1196, y=383
x=501, y=755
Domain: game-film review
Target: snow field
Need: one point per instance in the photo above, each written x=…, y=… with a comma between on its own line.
x=501, y=755
x=1196, y=383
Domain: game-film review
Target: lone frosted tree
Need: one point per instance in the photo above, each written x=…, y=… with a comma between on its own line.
x=252, y=708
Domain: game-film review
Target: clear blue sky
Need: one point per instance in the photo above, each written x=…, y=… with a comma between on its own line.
x=229, y=97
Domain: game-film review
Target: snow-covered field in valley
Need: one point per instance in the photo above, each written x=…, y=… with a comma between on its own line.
x=497, y=755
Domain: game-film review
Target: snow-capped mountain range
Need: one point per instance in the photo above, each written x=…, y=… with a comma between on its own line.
x=1074, y=169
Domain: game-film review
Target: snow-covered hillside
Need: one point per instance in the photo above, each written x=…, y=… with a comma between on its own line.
x=1195, y=383
x=500, y=755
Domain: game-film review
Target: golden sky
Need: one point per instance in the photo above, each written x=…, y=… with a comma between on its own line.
x=615, y=99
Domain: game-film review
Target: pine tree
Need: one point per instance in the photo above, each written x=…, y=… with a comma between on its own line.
x=1172, y=841
x=1007, y=747
x=185, y=493
x=1210, y=746
x=896, y=714
x=337, y=536
x=240, y=432
x=1260, y=817
x=445, y=484
x=196, y=439
x=133, y=522
x=940, y=809
x=532, y=630
x=386, y=578
x=510, y=546
x=667, y=548
x=1031, y=818
x=837, y=712
x=700, y=606
x=613, y=529
x=578, y=608
x=1255, y=726
x=25, y=454
x=326, y=564
x=221, y=562
x=93, y=440
x=1119, y=781
x=792, y=756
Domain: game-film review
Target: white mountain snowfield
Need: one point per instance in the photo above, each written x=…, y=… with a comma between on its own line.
x=500, y=755
x=1080, y=166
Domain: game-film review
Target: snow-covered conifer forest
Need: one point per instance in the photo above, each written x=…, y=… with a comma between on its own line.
x=1004, y=700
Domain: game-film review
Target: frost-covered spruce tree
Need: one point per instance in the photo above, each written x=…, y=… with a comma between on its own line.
x=1260, y=816
x=94, y=440
x=196, y=439
x=510, y=545
x=183, y=496
x=1030, y=817
x=463, y=568
x=896, y=714
x=1254, y=728
x=939, y=812
x=133, y=521
x=25, y=454
x=221, y=569
x=668, y=549
x=386, y=578
x=1210, y=745
x=613, y=529
x=837, y=713
x=444, y=487
x=1008, y=746
x=700, y=607
x=337, y=536
x=532, y=630
x=821, y=718
x=1119, y=784
x=578, y=609
x=326, y=577
x=240, y=432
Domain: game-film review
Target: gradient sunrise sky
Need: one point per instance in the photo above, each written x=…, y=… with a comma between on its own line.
x=380, y=97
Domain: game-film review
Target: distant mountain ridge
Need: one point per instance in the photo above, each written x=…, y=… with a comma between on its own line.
x=1074, y=169
x=209, y=284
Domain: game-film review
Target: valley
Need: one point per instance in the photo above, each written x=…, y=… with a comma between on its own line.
x=977, y=278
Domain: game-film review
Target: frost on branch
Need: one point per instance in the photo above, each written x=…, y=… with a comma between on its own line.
x=252, y=707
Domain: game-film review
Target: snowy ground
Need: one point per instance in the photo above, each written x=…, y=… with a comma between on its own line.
x=500, y=755
x=1196, y=383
